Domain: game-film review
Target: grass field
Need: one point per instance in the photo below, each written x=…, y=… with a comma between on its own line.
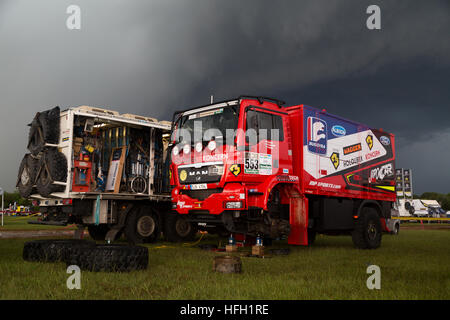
x=17, y=223
x=414, y=265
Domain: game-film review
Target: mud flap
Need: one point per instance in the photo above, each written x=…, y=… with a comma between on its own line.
x=298, y=218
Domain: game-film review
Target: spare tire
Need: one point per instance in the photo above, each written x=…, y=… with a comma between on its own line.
x=407, y=205
x=50, y=122
x=109, y=258
x=53, y=167
x=27, y=175
x=52, y=250
x=411, y=210
x=36, y=141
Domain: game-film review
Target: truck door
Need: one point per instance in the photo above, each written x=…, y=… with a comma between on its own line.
x=265, y=134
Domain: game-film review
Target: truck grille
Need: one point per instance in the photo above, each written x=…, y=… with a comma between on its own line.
x=205, y=174
x=200, y=194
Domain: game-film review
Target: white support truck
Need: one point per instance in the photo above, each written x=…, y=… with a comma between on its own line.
x=102, y=170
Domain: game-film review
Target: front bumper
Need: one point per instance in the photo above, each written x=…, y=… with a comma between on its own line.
x=212, y=201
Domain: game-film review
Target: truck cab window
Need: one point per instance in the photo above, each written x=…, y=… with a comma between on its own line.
x=263, y=123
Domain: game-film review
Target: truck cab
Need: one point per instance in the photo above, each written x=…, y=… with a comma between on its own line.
x=255, y=167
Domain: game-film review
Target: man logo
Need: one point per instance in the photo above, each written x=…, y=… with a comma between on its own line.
x=369, y=141
x=335, y=159
x=235, y=169
x=317, y=135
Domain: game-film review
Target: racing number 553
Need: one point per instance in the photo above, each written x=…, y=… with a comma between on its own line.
x=251, y=164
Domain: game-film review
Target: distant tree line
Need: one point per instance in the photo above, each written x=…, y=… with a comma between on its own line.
x=11, y=197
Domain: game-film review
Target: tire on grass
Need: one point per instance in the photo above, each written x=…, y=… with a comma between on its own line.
x=177, y=228
x=367, y=232
x=52, y=250
x=27, y=175
x=56, y=163
x=109, y=258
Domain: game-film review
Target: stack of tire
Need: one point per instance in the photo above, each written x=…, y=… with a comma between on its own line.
x=44, y=165
x=87, y=255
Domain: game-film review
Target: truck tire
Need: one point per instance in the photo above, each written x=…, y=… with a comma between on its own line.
x=109, y=258
x=177, y=228
x=36, y=143
x=57, y=166
x=50, y=123
x=367, y=232
x=99, y=232
x=396, y=230
x=27, y=175
x=52, y=250
x=142, y=226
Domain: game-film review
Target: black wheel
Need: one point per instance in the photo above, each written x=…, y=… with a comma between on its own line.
x=142, y=226
x=407, y=205
x=53, y=167
x=109, y=258
x=50, y=122
x=311, y=236
x=27, y=175
x=36, y=141
x=177, y=228
x=367, y=232
x=396, y=230
x=52, y=250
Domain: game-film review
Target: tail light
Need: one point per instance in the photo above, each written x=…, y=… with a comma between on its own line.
x=67, y=202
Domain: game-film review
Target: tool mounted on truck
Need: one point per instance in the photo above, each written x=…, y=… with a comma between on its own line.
x=253, y=166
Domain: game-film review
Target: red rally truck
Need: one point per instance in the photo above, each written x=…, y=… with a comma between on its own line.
x=253, y=166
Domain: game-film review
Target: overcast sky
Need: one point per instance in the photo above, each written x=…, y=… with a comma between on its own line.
x=155, y=57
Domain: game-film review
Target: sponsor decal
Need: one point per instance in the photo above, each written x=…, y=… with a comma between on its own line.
x=325, y=185
x=372, y=155
x=182, y=204
x=353, y=148
x=335, y=159
x=183, y=175
x=380, y=173
x=385, y=140
x=285, y=170
x=338, y=131
x=65, y=139
x=369, y=141
x=215, y=157
x=352, y=162
x=286, y=178
x=317, y=135
x=235, y=169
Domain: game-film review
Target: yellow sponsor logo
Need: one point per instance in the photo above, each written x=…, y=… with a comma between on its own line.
x=369, y=140
x=235, y=169
x=183, y=175
x=335, y=159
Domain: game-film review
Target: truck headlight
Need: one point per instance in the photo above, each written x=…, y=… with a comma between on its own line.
x=186, y=149
x=234, y=205
x=212, y=145
x=175, y=150
x=198, y=147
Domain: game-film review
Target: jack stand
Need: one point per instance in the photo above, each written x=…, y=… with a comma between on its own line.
x=231, y=246
x=258, y=248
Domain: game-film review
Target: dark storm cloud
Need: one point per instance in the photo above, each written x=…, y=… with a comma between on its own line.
x=153, y=57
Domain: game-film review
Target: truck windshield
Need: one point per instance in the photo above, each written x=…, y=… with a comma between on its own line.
x=207, y=124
